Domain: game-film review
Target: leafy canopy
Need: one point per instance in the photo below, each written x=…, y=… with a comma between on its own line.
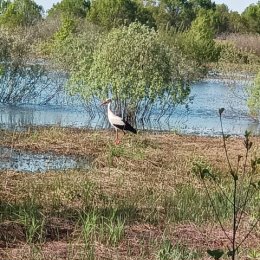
x=72, y=52
x=251, y=15
x=176, y=13
x=133, y=65
x=198, y=42
x=21, y=13
x=3, y=5
x=76, y=8
x=110, y=14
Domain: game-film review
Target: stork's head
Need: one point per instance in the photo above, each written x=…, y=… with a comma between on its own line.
x=107, y=101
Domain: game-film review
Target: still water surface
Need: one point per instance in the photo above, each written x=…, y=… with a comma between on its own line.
x=24, y=161
x=200, y=117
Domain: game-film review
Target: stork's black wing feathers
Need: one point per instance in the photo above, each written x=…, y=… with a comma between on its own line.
x=126, y=127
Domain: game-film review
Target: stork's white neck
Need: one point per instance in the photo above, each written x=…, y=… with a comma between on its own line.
x=109, y=109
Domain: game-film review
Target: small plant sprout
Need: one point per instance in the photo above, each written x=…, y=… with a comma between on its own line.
x=115, y=227
x=168, y=251
x=245, y=188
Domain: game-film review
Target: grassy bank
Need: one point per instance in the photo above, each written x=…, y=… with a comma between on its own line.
x=139, y=200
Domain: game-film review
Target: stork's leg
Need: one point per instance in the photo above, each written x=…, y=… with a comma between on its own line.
x=117, y=139
x=123, y=133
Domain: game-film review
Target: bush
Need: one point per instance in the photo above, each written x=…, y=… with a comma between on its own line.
x=198, y=43
x=134, y=66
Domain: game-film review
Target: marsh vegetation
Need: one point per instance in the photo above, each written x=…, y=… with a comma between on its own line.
x=139, y=200
x=157, y=195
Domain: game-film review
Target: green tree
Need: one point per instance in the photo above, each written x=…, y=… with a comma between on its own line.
x=3, y=5
x=71, y=51
x=68, y=27
x=110, y=14
x=220, y=18
x=203, y=4
x=133, y=65
x=198, y=42
x=235, y=23
x=251, y=17
x=223, y=21
x=75, y=8
x=254, y=97
x=144, y=13
x=21, y=13
x=175, y=13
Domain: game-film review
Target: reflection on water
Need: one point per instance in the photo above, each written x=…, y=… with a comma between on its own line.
x=200, y=117
x=203, y=116
x=31, y=162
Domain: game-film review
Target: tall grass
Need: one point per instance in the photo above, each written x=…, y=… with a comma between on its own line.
x=248, y=42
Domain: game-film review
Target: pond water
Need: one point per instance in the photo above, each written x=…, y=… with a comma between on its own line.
x=23, y=161
x=200, y=117
x=203, y=116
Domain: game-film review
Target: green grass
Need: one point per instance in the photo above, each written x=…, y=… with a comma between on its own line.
x=129, y=205
x=189, y=203
x=168, y=251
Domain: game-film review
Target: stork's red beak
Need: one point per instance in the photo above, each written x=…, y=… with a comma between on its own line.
x=106, y=102
x=103, y=103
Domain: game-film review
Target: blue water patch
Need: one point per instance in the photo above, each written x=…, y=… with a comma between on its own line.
x=200, y=116
x=24, y=161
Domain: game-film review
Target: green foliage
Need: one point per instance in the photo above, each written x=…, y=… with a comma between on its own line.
x=216, y=254
x=224, y=21
x=110, y=14
x=166, y=251
x=71, y=8
x=33, y=221
x=220, y=19
x=3, y=5
x=67, y=28
x=21, y=13
x=179, y=209
x=71, y=50
x=198, y=43
x=89, y=226
x=229, y=53
x=176, y=252
x=203, y=4
x=236, y=23
x=254, y=254
x=115, y=228
x=254, y=97
x=144, y=14
x=134, y=65
x=179, y=13
x=251, y=17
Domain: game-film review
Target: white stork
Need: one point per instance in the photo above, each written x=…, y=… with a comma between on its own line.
x=117, y=122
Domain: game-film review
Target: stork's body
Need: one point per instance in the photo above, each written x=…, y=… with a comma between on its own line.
x=117, y=122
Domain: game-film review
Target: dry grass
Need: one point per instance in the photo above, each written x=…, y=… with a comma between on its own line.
x=144, y=186
x=248, y=42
